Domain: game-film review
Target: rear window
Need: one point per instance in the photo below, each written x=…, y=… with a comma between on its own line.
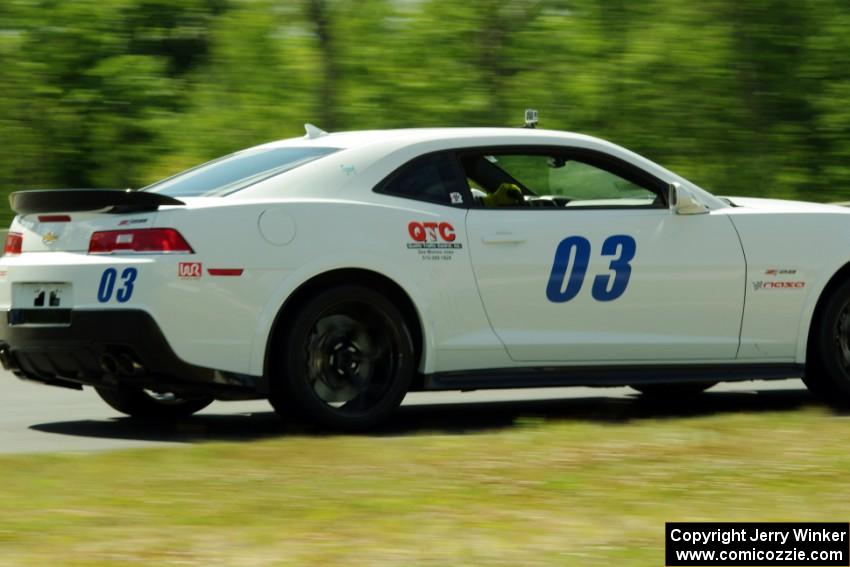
x=237, y=171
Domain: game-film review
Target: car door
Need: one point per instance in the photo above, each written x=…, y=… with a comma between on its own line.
x=598, y=268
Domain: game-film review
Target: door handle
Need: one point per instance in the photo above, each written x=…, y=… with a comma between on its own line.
x=503, y=237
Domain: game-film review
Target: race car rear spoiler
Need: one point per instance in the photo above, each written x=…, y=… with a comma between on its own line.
x=77, y=200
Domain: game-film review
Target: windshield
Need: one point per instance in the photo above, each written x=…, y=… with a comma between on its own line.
x=237, y=171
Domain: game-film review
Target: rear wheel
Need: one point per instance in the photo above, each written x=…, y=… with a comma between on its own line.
x=147, y=404
x=828, y=367
x=346, y=362
x=675, y=390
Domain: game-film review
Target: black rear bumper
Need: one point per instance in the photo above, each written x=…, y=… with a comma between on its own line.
x=111, y=347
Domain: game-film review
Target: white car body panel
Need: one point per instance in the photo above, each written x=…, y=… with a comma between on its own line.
x=778, y=235
x=657, y=317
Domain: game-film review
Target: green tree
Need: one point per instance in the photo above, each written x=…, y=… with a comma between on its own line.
x=743, y=98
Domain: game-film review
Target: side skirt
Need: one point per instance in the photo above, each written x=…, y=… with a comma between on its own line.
x=550, y=376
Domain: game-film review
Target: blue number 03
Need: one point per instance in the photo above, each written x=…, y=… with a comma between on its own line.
x=575, y=250
x=624, y=248
x=555, y=290
x=107, y=285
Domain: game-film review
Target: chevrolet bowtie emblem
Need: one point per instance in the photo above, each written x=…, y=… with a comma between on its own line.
x=50, y=238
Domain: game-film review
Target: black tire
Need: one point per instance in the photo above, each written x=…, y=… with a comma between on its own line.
x=812, y=377
x=814, y=384
x=144, y=404
x=674, y=390
x=346, y=362
x=828, y=365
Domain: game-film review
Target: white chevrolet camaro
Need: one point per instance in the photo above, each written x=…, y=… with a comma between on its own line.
x=334, y=273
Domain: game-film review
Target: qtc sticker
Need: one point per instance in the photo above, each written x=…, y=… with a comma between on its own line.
x=433, y=240
x=189, y=270
x=431, y=232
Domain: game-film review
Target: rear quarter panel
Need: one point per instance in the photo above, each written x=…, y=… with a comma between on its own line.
x=225, y=322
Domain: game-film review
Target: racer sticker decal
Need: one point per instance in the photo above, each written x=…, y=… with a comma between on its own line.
x=433, y=240
x=108, y=284
x=778, y=284
x=573, y=254
x=127, y=222
x=189, y=270
x=761, y=285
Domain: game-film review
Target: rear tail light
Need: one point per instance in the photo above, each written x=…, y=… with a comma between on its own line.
x=14, y=243
x=54, y=218
x=142, y=240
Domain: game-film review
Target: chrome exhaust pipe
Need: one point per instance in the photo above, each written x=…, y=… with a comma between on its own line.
x=108, y=364
x=5, y=357
x=127, y=365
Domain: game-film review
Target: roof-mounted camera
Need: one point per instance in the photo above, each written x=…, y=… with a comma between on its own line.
x=530, y=118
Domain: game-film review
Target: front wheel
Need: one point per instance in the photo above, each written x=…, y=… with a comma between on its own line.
x=828, y=364
x=146, y=404
x=346, y=362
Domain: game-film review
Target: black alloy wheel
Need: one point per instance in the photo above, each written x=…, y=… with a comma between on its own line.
x=828, y=360
x=346, y=362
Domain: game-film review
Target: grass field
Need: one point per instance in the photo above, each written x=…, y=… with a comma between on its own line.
x=537, y=492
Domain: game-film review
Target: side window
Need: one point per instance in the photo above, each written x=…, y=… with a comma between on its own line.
x=434, y=178
x=581, y=181
x=540, y=178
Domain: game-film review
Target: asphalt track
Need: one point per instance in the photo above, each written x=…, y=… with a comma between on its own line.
x=36, y=418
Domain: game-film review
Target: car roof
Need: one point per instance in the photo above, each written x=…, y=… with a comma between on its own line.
x=397, y=139
x=407, y=136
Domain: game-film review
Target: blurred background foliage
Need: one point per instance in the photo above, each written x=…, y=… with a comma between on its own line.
x=744, y=98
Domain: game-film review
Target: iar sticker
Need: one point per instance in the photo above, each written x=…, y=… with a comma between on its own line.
x=189, y=270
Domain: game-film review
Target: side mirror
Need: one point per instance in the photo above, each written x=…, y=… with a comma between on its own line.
x=683, y=202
